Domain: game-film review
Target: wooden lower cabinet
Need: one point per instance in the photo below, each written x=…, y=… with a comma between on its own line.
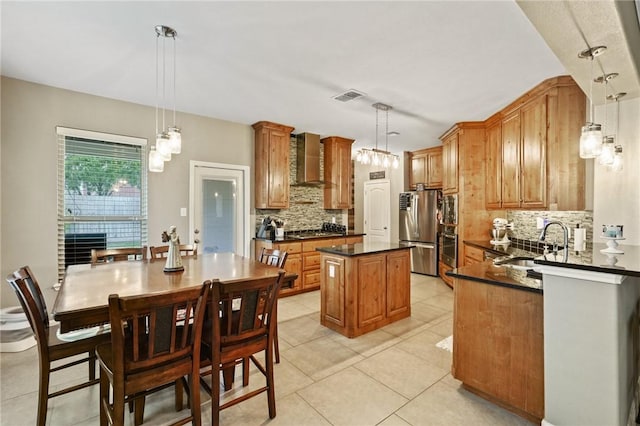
x=359, y=294
x=473, y=255
x=304, y=260
x=442, y=271
x=498, y=345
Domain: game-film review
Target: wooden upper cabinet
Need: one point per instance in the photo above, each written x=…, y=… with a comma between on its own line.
x=450, y=164
x=272, y=165
x=337, y=172
x=532, y=154
x=493, y=155
x=511, y=161
x=426, y=168
x=533, y=164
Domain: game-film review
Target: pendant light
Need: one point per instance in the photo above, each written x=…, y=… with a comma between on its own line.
x=175, y=137
x=167, y=142
x=617, y=162
x=607, y=150
x=591, y=137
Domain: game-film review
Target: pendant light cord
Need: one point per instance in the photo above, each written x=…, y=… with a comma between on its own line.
x=174, y=80
x=157, y=94
x=591, y=92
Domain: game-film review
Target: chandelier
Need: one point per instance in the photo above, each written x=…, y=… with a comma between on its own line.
x=375, y=156
x=168, y=141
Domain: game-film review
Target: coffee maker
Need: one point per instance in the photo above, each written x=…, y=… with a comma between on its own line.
x=499, y=231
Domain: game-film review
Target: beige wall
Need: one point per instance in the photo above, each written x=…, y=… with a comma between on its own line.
x=30, y=114
x=616, y=198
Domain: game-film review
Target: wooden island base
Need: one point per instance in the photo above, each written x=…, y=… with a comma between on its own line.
x=363, y=287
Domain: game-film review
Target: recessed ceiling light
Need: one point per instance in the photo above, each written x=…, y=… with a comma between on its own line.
x=393, y=133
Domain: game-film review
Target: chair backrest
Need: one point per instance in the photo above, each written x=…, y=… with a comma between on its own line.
x=161, y=328
x=30, y=296
x=273, y=257
x=160, y=252
x=245, y=309
x=118, y=254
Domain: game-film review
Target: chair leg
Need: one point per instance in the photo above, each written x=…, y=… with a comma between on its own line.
x=92, y=364
x=179, y=395
x=194, y=399
x=104, y=399
x=276, y=346
x=215, y=394
x=138, y=410
x=271, y=395
x=43, y=393
x=246, y=363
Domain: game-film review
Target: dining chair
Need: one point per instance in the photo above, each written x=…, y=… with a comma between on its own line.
x=160, y=252
x=239, y=326
x=118, y=254
x=53, y=346
x=155, y=341
x=274, y=257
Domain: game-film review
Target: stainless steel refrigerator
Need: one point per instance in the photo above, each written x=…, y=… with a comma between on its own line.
x=419, y=227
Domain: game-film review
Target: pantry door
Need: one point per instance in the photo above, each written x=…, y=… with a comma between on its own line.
x=377, y=210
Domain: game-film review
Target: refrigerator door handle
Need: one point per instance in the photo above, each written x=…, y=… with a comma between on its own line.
x=422, y=245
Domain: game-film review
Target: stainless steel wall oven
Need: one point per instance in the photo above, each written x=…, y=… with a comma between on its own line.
x=450, y=248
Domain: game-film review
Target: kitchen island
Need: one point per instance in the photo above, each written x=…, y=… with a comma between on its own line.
x=364, y=286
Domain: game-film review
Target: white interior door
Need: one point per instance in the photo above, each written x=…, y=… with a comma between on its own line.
x=219, y=204
x=377, y=210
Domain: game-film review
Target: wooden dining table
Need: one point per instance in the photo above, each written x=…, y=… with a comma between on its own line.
x=82, y=300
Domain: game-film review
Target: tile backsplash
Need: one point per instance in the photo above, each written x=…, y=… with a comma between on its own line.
x=306, y=203
x=525, y=225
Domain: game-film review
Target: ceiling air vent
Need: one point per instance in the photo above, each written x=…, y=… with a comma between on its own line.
x=349, y=95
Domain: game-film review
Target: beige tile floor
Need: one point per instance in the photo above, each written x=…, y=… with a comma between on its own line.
x=393, y=376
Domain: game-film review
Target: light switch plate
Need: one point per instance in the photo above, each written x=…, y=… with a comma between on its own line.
x=183, y=211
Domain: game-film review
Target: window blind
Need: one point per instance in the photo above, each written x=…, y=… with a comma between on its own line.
x=102, y=194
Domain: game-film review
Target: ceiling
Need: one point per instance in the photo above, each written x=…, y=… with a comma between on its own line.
x=434, y=62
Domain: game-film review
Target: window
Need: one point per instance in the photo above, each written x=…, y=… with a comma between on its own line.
x=102, y=194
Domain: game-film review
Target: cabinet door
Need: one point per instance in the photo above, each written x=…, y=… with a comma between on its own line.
x=450, y=164
x=434, y=176
x=511, y=161
x=271, y=165
x=278, y=169
x=533, y=166
x=417, y=171
x=493, y=158
x=337, y=172
x=371, y=290
x=332, y=291
x=398, y=283
x=294, y=265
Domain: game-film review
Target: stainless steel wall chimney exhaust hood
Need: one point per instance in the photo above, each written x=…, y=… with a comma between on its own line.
x=308, y=160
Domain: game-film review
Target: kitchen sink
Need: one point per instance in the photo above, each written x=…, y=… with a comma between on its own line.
x=517, y=262
x=307, y=235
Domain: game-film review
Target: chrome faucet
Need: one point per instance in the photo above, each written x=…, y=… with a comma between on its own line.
x=565, y=243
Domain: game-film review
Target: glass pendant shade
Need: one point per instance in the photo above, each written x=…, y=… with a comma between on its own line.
x=163, y=146
x=386, y=163
x=156, y=163
x=618, y=161
x=608, y=151
x=175, y=140
x=591, y=140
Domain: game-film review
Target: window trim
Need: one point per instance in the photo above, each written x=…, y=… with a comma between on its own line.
x=61, y=134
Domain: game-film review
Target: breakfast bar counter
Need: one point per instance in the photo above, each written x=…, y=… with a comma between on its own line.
x=364, y=286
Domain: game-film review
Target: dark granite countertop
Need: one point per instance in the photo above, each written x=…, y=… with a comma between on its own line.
x=593, y=259
x=486, y=272
x=361, y=248
x=296, y=237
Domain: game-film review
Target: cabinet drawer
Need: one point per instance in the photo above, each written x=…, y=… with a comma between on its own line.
x=324, y=242
x=310, y=279
x=311, y=261
x=473, y=255
x=353, y=240
x=289, y=247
